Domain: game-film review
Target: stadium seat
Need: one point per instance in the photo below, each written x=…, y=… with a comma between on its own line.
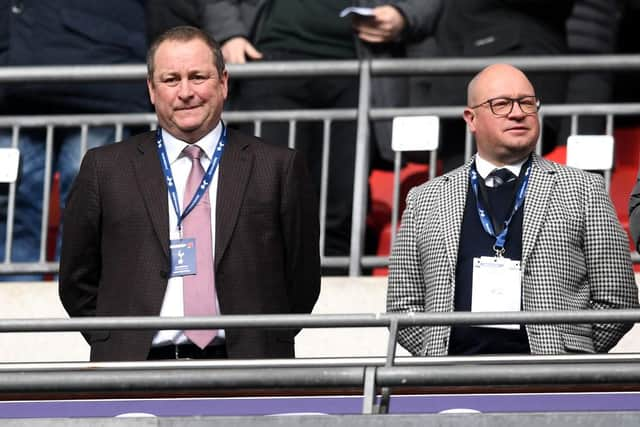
x=623, y=175
x=381, y=188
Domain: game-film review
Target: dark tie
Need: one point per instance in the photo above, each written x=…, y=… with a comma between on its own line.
x=199, y=289
x=501, y=176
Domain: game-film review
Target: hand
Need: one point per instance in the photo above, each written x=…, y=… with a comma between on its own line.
x=385, y=26
x=236, y=50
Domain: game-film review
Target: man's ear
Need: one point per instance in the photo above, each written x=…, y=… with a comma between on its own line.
x=470, y=117
x=224, y=82
x=151, y=88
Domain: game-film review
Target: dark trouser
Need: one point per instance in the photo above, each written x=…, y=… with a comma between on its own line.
x=311, y=93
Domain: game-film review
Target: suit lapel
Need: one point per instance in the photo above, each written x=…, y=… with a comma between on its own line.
x=151, y=183
x=452, y=202
x=536, y=200
x=235, y=170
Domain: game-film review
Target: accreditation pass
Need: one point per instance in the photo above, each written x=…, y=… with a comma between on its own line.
x=497, y=286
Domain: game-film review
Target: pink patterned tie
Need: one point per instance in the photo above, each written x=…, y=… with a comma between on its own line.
x=199, y=289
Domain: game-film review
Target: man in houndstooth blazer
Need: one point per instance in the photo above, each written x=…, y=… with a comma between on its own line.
x=574, y=255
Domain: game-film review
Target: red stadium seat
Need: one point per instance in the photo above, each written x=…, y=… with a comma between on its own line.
x=623, y=175
x=381, y=188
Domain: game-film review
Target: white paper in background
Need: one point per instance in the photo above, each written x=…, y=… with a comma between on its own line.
x=496, y=287
x=362, y=11
x=9, y=161
x=415, y=133
x=590, y=152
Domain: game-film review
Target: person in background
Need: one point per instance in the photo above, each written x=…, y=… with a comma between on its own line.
x=634, y=214
x=69, y=32
x=488, y=28
x=162, y=15
x=592, y=29
x=510, y=231
x=277, y=30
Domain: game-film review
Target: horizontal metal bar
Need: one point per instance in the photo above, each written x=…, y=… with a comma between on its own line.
x=76, y=120
x=317, y=320
x=285, y=115
x=184, y=376
x=181, y=378
x=494, y=375
x=546, y=110
x=28, y=267
x=327, y=363
x=460, y=65
x=72, y=73
x=279, y=69
x=366, y=261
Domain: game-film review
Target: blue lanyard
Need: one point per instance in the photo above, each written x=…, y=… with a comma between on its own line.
x=498, y=246
x=206, y=179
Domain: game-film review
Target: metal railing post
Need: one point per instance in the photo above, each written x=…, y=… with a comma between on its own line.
x=361, y=175
x=324, y=182
x=46, y=193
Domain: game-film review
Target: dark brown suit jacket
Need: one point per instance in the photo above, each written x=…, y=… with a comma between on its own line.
x=115, y=249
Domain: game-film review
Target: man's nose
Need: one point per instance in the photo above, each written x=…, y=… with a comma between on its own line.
x=185, y=90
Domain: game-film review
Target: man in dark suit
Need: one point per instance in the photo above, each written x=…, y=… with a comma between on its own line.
x=128, y=233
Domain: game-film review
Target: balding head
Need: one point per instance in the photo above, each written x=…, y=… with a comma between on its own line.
x=490, y=77
x=503, y=135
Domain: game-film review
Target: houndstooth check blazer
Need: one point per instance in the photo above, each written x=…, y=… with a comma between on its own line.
x=575, y=255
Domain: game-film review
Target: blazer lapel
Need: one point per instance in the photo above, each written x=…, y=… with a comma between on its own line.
x=452, y=203
x=151, y=183
x=235, y=170
x=541, y=184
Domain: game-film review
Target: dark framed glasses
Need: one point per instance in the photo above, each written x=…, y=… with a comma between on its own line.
x=503, y=106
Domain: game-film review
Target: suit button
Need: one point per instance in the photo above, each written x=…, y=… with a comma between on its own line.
x=164, y=274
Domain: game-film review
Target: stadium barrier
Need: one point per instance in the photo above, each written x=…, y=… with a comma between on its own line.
x=373, y=376
x=363, y=113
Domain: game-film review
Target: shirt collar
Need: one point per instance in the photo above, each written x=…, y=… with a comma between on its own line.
x=207, y=143
x=485, y=167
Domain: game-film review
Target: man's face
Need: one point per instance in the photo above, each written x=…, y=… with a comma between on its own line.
x=186, y=89
x=502, y=139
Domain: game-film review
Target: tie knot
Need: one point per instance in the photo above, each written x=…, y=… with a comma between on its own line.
x=501, y=176
x=193, y=152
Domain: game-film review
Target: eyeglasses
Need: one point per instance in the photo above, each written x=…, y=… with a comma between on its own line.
x=503, y=106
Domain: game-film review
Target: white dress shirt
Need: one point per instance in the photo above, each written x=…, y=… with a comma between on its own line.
x=172, y=305
x=485, y=167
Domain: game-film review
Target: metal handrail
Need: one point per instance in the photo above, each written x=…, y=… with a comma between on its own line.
x=319, y=320
x=212, y=377
x=386, y=67
x=368, y=374
x=185, y=376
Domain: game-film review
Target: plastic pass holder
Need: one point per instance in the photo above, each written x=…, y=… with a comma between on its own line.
x=497, y=286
